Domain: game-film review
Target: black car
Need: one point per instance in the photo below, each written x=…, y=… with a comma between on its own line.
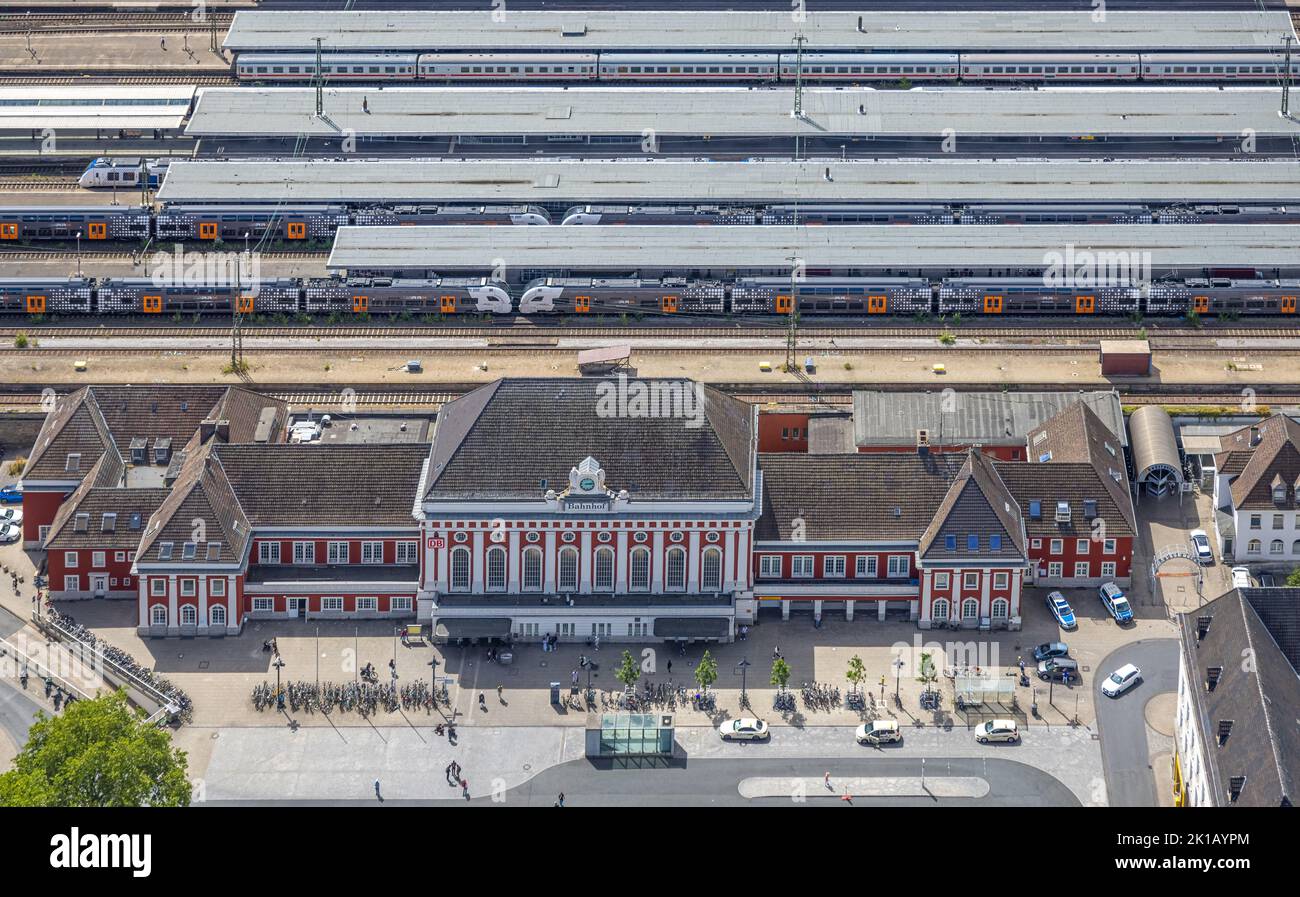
x=1048, y=650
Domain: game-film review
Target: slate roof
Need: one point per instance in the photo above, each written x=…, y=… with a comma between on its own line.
x=503, y=440
x=968, y=418
x=1261, y=699
x=95, y=502
x=852, y=497
x=201, y=497
x=1277, y=454
x=73, y=426
x=976, y=504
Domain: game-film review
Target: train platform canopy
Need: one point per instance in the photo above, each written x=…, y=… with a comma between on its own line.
x=656, y=247
x=688, y=180
x=99, y=108
x=729, y=31
x=702, y=112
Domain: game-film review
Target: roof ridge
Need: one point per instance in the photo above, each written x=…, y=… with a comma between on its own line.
x=488, y=391
x=1283, y=773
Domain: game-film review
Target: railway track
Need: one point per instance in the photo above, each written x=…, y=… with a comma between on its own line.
x=35, y=182
x=111, y=22
x=16, y=78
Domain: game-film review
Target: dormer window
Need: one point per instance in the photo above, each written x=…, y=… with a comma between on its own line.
x=73, y=464
x=189, y=550
x=164, y=551
x=139, y=450
x=109, y=523
x=81, y=523
x=162, y=450
x=214, y=551
x=1062, y=512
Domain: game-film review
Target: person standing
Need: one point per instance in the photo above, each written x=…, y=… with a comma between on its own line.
x=377, y=794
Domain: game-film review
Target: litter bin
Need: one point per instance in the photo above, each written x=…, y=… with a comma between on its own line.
x=555, y=693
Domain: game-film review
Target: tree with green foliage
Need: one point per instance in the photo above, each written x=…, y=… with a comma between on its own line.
x=857, y=672
x=1293, y=579
x=928, y=674
x=780, y=673
x=97, y=753
x=628, y=671
x=707, y=672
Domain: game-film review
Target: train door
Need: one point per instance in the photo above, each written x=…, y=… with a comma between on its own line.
x=447, y=305
x=9, y=230
x=36, y=305
x=668, y=304
x=244, y=304
x=360, y=304
x=1200, y=304
x=1085, y=305
x=784, y=304
x=208, y=230
x=296, y=230
x=992, y=305
x=151, y=305
x=582, y=303
x=96, y=230
x=877, y=305
x=1286, y=305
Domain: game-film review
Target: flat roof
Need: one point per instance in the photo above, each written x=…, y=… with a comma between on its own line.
x=618, y=29
x=731, y=111
x=108, y=107
x=772, y=246
x=642, y=180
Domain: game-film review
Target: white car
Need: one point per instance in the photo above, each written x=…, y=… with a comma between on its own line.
x=10, y=533
x=1120, y=681
x=1201, y=547
x=997, y=730
x=880, y=731
x=11, y=515
x=1241, y=578
x=743, y=729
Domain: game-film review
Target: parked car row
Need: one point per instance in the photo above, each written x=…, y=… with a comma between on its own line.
x=1112, y=598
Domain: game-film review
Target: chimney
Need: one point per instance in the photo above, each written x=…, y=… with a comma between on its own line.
x=923, y=442
x=213, y=427
x=1254, y=435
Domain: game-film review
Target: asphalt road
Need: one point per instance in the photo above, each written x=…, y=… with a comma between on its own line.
x=1125, y=754
x=715, y=783
x=17, y=711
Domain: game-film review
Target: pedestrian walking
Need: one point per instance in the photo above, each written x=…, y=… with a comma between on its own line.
x=446, y=773
x=559, y=802
x=377, y=794
x=670, y=668
x=365, y=107
x=482, y=701
x=1021, y=661
x=827, y=779
x=500, y=696
x=464, y=788
x=776, y=652
x=846, y=797
x=162, y=42
x=574, y=678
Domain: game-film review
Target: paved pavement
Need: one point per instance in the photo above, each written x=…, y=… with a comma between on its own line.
x=17, y=713
x=315, y=764
x=1125, y=749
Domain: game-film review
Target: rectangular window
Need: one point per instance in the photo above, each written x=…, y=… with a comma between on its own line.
x=337, y=552
x=942, y=580
x=400, y=602
x=950, y=542
x=1108, y=569
x=1081, y=568
x=1000, y=580
x=899, y=566
x=995, y=542
x=157, y=587
x=214, y=551
x=189, y=588
x=217, y=588
x=1108, y=547
x=1277, y=522
x=970, y=580
x=833, y=565
x=1055, y=569
x=801, y=565
x=769, y=566
x=1057, y=546
x=98, y=560
x=367, y=604
x=263, y=604
x=972, y=542
x=72, y=583
x=164, y=551
x=407, y=552
x=866, y=565
x=1035, y=543
x=268, y=552
x=304, y=552
x=188, y=551
x=70, y=560
x=119, y=556
x=1256, y=521
x=1081, y=546
x=372, y=552
x=331, y=604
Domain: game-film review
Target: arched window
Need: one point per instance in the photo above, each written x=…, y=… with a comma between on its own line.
x=970, y=609
x=675, y=579
x=460, y=569
x=604, y=580
x=639, y=580
x=189, y=615
x=496, y=569
x=1295, y=547
x=568, y=579
x=940, y=610
x=217, y=615
x=158, y=614
x=1254, y=546
x=1000, y=608
x=1275, y=547
x=711, y=571
x=533, y=569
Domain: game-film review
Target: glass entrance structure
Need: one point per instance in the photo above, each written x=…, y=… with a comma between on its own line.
x=632, y=735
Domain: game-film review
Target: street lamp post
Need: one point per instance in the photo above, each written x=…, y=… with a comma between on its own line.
x=279, y=695
x=78, y=253
x=744, y=670
x=898, y=679
x=433, y=682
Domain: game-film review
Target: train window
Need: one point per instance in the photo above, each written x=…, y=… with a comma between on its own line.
x=277, y=69
x=1218, y=69
x=390, y=68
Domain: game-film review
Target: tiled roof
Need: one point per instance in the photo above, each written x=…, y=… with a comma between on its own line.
x=95, y=502
x=1260, y=699
x=503, y=440
x=977, y=504
x=326, y=485
x=852, y=497
x=201, y=508
x=1073, y=482
x=1277, y=454
x=74, y=426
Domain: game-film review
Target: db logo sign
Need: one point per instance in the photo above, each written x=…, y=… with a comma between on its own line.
x=437, y=542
